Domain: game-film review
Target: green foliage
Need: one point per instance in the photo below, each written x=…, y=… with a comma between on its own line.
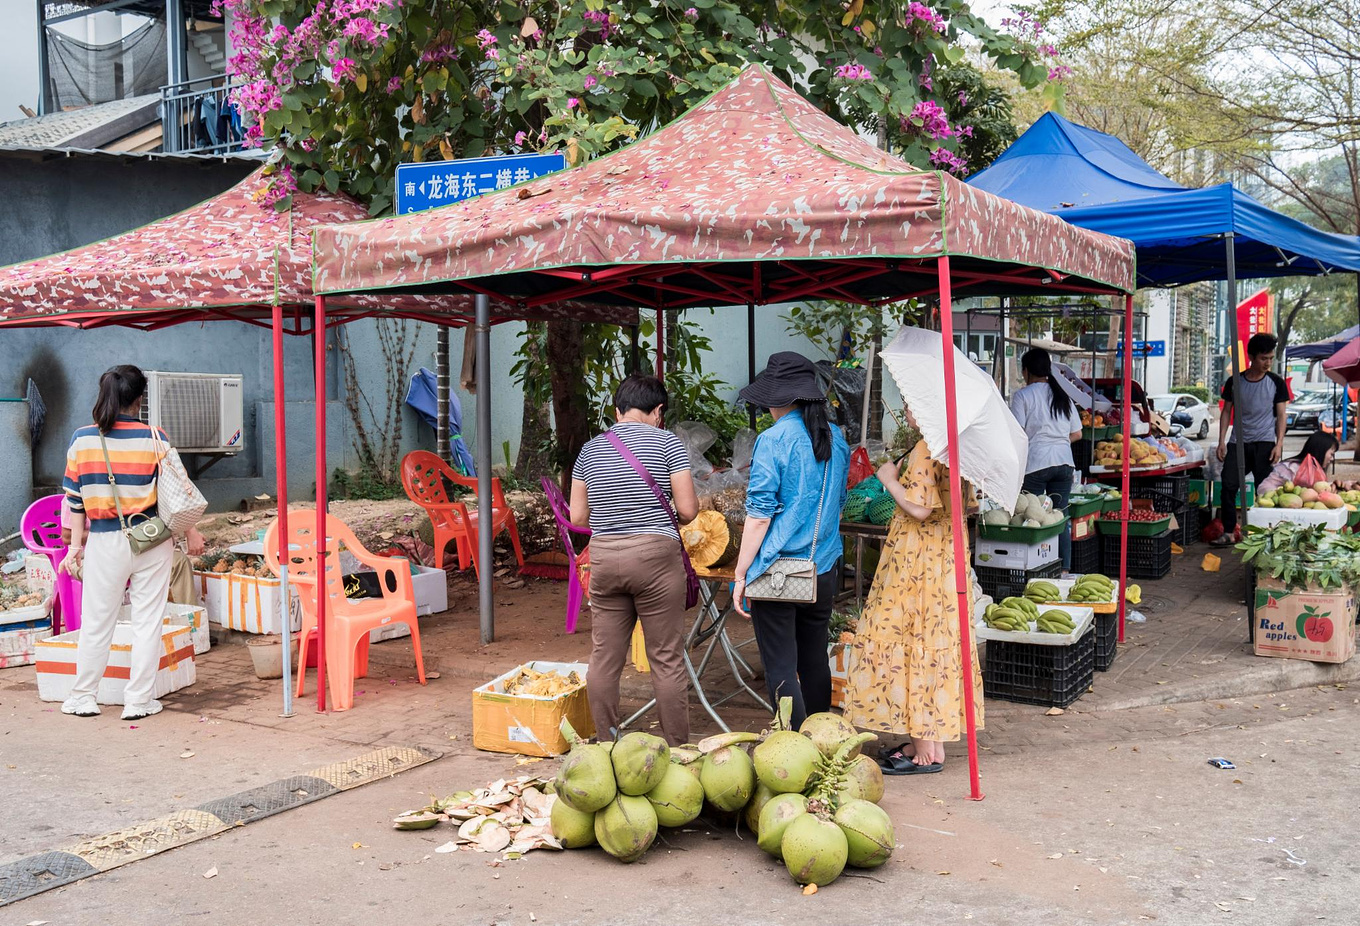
x=365, y=482
x=1199, y=392
x=1304, y=555
x=826, y=323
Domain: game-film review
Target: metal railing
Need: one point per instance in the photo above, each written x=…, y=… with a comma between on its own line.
x=198, y=117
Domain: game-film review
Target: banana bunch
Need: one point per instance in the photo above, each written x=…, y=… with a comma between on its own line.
x=1055, y=621
x=1014, y=614
x=1092, y=588
x=1041, y=591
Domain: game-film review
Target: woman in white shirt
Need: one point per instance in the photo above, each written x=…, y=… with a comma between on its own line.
x=1050, y=420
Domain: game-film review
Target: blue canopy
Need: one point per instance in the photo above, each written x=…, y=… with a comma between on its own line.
x=1095, y=181
x=1321, y=350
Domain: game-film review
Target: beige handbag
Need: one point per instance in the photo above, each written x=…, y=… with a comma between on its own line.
x=789, y=579
x=178, y=501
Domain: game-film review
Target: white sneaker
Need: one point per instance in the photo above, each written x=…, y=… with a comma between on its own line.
x=80, y=706
x=138, y=711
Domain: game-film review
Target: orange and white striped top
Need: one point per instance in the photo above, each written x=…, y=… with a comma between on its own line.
x=132, y=455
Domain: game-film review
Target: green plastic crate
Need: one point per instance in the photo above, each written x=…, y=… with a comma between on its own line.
x=1025, y=535
x=1081, y=508
x=1197, y=493
x=1218, y=494
x=1136, y=528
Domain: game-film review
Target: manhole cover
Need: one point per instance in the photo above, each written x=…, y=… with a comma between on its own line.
x=1151, y=604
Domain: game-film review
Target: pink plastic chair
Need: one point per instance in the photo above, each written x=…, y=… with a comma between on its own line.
x=41, y=531
x=576, y=563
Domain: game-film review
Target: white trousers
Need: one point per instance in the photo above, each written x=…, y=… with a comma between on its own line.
x=109, y=565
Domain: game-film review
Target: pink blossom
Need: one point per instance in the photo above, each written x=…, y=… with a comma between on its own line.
x=485, y=39
x=966, y=131
x=1059, y=72
x=308, y=144
x=438, y=53
x=929, y=119
x=344, y=69
x=572, y=102
x=519, y=139
x=393, y=84
x=493, y=54
x=924, y=15
x=600, y=20
x=963, y=98
x=948, y=160
x=590, y=81
x=853, y=72
x=691, y=14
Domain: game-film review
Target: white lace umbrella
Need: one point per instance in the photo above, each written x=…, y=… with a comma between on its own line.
x=992, y=445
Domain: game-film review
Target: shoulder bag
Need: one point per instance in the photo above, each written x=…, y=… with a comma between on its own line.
x=178, y=500
x=790, y=579
x=143, y=535
x=691, y=577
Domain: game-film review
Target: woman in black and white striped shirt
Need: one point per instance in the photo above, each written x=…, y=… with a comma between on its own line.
x=636, y=573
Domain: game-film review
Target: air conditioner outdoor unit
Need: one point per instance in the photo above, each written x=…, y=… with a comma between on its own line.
x=199, y=412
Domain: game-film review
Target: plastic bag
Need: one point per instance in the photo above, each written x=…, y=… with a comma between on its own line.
x=1309, y=473
x=860, y=468
x=1135, y=617
x=697, y=438
x=743, y=448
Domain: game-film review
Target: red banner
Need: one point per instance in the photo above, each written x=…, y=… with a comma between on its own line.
x=1255, y=315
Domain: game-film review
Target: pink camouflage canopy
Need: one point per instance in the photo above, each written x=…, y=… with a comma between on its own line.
x=227, y=258
x=757, y=193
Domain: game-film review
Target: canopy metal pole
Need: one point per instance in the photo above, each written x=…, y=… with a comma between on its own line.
x=956, y=506
x=661, y=344
x=1126, y=362
x=487, y=567
x=1239, y=450
x=281, y=483
x=441, y=393
x=751, y=355
x=44, y=71
x=319, y=365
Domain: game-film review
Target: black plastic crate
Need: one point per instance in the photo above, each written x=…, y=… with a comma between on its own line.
x=1031, y=673
x=1149, y=557
x=1176, y=487
x=1003, y=583
x=1189, y=526
x=1086, y=555
x=1081, y=454
x=1107, y=640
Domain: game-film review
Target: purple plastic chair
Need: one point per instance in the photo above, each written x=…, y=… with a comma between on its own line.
x=562, y=512
x=41, y=531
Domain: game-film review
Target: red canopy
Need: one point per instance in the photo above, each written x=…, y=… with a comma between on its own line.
x=759, y=195
x=228, y=258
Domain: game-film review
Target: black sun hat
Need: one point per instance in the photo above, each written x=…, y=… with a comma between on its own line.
x=788, y=378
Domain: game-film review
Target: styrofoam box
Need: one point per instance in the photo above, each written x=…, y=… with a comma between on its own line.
x=1333, y=518
x=1081, y=616
x=246, y=603
x=193, y=616
x=432, y=596
x=37, y=612
x=1005, y=554
x=19, y=642
x=56, y=664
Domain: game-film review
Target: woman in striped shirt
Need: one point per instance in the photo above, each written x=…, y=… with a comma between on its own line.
x=112, y=465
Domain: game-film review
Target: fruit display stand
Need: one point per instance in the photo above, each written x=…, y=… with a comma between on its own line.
x=1019, y=534
x=1051, y=670
x=1111, y=473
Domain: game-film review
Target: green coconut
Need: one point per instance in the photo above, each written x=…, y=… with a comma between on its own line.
x=868, y=833
x=586, y=779
x=626, y=828
x=640, y=760
x=573, y=829
x=691, y=760
x=862, y=780
x=786, y=761
x=678, y=798
x=781, y=810
x=814, y=849
x=729, y=778
x=828, y=731
x=759, y=799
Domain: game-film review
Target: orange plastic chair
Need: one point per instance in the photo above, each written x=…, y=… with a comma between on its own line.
x=422, y=475
x=347, y=622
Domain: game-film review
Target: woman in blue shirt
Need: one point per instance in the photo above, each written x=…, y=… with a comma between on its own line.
x=786, y=503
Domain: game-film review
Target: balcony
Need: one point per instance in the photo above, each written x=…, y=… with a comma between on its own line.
x=198, y=117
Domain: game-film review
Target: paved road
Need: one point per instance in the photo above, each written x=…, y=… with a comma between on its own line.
x=1096, y=832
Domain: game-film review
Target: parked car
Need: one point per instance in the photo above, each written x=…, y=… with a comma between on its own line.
x=1185, y=411
x=1313, y=407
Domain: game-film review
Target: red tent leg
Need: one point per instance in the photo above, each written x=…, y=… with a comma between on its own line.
x=319, y=342
x=1127, y=364
x=281, y=478
x=956, y=507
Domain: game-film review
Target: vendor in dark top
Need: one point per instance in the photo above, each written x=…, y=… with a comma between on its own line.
x=1260, y=413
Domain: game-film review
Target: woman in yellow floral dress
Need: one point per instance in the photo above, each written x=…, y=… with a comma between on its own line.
x=905, y=670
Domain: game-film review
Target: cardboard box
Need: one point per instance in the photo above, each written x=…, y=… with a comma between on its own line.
x=525, y=724
x=1002, y=554
x=195, y=617
x=1295, y=622
x=246, y=603
x=19, y=642
x=56, y=664
x=1084, y=526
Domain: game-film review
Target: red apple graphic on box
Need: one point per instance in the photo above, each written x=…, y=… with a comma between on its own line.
x=1315, y=627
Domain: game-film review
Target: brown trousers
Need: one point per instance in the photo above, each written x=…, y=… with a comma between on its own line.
x=638, y=577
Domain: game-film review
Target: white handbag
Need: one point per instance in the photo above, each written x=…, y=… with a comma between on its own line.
x=788, y=578
x=178, y=501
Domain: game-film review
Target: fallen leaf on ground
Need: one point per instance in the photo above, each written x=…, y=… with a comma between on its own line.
x=941, y=872
x=187, y=754
x=1055, y=855
x=1054, y=711
x=211, y=872
x=358, y=845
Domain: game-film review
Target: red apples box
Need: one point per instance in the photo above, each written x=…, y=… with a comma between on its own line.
x=1293, y=622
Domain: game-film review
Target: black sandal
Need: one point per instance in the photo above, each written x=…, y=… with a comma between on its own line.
x=898, y=764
